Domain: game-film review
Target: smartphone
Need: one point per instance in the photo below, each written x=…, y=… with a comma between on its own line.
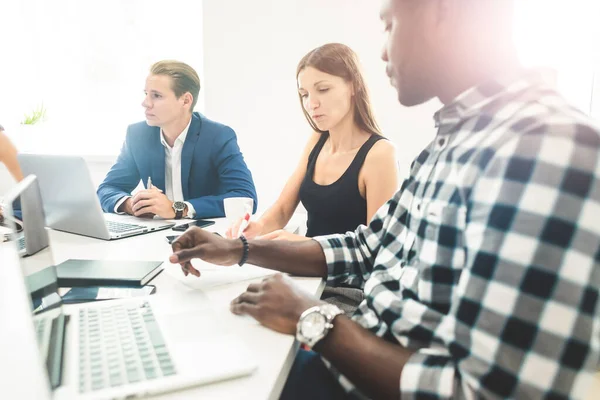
x=84, y=294
x=200, y=222
x=172, y=238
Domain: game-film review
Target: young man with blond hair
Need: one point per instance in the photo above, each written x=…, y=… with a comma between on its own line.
x=187, y=162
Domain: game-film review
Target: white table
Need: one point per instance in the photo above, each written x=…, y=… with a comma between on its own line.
x=275, y=352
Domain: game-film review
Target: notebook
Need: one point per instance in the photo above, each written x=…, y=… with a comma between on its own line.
x=82, y=273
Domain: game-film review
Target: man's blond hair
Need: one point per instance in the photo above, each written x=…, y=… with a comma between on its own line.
x=183, y=77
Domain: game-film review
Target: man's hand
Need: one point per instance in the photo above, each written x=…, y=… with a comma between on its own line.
x=198, y=243
x=127, y=208
x=275, y=302
x=282, y=234
x=152, y=201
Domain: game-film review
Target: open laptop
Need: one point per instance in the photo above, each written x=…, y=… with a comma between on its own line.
x=110, y=349
x=70, y=200
x=31, y=234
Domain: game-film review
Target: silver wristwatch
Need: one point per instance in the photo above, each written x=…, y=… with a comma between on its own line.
x=315, y=323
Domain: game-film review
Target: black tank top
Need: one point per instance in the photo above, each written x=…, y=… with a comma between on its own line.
x=339, y=207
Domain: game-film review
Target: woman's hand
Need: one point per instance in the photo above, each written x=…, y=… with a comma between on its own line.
x=253, y=229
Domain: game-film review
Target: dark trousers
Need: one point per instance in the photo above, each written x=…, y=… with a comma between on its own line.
x=310, y=379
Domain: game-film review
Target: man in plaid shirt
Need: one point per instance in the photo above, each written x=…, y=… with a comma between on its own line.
x=481, y=274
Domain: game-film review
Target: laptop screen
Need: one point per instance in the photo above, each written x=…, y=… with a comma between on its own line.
x=40, y=275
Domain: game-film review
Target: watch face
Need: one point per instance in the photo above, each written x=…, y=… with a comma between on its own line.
x=313, y=325
x=179, y=205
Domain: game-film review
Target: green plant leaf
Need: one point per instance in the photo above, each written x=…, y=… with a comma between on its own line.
x=37, y=115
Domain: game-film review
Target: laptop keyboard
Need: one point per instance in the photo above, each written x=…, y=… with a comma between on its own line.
x=120, y=227
x=120, y=344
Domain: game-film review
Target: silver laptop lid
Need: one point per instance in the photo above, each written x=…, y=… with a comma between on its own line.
x=69, y=196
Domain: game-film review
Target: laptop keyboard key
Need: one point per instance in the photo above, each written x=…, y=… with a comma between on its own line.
x=97, y=384
x=151, y=373
x=134, y=376
x=116, y=380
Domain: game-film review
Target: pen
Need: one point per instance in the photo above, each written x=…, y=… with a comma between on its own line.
x=243, y=224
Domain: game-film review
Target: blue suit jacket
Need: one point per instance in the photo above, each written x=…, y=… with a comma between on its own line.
x=212, y=167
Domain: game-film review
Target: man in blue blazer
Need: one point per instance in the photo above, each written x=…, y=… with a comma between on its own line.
x=187, y=162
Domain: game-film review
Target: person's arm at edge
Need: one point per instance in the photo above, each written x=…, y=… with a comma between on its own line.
x=8, y=156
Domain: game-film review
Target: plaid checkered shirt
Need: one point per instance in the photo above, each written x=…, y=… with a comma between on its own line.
x=486, y=263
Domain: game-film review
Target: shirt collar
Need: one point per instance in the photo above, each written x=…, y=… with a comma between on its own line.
x=476, y=99
x=180, y=138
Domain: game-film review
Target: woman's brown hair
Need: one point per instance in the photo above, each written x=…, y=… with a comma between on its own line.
x=339, y=60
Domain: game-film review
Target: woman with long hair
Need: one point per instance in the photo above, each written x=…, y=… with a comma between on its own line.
x=346, y=171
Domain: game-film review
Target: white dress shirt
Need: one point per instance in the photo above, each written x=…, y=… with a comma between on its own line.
x=173, y=187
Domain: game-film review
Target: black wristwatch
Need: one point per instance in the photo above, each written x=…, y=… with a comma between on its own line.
x=178, y=207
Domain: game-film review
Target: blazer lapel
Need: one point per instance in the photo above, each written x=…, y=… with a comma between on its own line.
x=187, y=155
x=157, y=160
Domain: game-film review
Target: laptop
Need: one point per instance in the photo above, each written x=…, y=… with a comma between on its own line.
x=71, y=204
x=111, y=349
x=31, y=234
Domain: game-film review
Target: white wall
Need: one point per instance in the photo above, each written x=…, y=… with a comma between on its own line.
x=251, y=49
x=564, y=35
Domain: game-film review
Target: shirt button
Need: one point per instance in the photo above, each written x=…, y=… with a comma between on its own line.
x=403, y=264
x=441, y=141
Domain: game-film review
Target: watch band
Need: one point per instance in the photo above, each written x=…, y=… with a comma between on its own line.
x=178, y=214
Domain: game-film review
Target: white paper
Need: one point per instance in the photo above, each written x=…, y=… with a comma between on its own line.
x=215, y=275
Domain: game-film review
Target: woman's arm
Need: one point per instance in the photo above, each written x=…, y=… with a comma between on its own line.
x=379, y=176
x=8, y=156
